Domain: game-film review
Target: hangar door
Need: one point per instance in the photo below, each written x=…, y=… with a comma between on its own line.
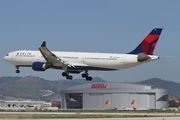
x=143, y=101
x=100, y=101
x=96, y=101
x=74, y=100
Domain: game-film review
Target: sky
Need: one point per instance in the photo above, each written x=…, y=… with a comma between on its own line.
x=107, y=26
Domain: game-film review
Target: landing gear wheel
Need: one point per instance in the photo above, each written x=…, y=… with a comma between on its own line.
x=64, y=74
x=70, y=77
x=84, y=75
x=89, y=78
x=17, y=71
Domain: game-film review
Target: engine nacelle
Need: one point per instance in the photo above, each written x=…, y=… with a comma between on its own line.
x=39, y=66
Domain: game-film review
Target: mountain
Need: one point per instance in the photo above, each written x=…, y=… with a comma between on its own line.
x=8, y=78
x=28, y=87
x=172, y=87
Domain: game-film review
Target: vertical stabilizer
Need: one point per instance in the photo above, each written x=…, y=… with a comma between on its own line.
x=148, y=45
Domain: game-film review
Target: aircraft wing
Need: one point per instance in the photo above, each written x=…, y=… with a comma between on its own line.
x=52, y=59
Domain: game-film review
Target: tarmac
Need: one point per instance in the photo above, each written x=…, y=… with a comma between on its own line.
x=160, y=116
x=95, y=113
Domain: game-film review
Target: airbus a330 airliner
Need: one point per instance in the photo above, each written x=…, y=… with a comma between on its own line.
x=76, y=62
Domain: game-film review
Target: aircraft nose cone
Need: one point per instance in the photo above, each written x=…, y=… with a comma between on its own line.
x=5, y=58
x=9, y=59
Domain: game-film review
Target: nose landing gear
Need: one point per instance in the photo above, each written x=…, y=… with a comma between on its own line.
x=17, y=71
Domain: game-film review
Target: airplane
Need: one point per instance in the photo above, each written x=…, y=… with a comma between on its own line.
x=77, y=62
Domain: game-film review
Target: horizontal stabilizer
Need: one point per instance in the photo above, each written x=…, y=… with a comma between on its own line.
x=143, y=57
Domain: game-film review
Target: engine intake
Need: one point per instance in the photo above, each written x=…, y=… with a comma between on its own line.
x=40, y=66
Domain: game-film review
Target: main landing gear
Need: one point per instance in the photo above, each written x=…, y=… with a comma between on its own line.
x=86, y=75
x=65, y=74
x=17, y=71
x=70, y=77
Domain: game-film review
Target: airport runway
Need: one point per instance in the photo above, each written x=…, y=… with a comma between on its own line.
x=161, y=116
x=91, y=113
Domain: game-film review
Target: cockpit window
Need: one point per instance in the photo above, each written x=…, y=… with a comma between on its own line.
x=7, y=55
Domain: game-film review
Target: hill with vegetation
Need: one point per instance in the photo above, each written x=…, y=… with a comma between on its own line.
x=29, y=88
x=172, y=87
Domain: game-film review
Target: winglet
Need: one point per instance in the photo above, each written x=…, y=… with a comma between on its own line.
x=43, y=44
x=148, y=45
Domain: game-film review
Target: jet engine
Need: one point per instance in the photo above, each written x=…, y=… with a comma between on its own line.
x=40, y=66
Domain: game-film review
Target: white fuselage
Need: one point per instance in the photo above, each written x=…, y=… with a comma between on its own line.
x=95, y=61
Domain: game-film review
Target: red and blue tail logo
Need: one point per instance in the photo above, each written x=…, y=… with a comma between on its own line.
x=148, y=45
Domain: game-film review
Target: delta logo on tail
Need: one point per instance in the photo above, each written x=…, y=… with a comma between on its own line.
x=148, y=45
